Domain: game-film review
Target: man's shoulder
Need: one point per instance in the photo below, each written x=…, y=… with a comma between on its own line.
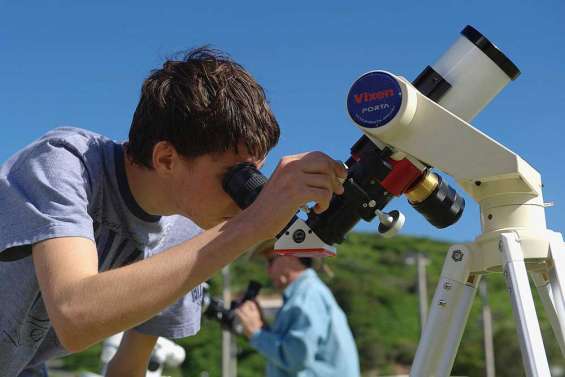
x=313, y=288
x=311, y=279
x=75, y=138
x=60, y=156
x=58, y=145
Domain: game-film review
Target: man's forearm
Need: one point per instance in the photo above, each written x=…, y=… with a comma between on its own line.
x=106, y=303
x=133, y=355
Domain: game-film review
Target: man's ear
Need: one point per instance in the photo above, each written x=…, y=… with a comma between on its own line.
x=165, y=157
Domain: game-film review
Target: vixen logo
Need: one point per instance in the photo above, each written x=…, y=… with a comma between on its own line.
x=371, y=96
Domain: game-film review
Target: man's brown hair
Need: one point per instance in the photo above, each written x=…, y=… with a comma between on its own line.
x=204, y=103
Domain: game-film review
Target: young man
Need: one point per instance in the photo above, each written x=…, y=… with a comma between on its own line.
x=310, y=335
x=99, y=237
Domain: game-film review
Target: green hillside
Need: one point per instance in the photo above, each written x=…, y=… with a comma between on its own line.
x=377, y=290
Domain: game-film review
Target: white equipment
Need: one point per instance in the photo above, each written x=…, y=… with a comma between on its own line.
x=165, y=353
x=393, y=114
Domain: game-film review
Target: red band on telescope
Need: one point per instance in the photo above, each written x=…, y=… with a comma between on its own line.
x=402, y=176
x=314, y=252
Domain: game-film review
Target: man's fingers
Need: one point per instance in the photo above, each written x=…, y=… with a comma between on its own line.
x=322, y=197
x=318, y=162
x=322, y=186
x=321, y=164
x=340, y=170
x=323, y=181
x=247, y=307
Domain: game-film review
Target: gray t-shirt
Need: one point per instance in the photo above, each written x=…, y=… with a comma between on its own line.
x=72, y=182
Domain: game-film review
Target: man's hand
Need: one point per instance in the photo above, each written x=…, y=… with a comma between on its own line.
x=250, y=316
x=297, y=180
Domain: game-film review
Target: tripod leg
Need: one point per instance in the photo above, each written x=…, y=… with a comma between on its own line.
x=448, y=315
x=543, y=286
x=529, y=334
x=556, y=288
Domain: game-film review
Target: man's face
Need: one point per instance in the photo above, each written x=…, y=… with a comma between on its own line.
x=198, y=187
x=278, y=267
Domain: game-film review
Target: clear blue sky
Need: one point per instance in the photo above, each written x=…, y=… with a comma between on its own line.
x=82, y=64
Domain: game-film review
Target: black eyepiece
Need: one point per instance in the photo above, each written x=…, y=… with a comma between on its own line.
x=243, y=183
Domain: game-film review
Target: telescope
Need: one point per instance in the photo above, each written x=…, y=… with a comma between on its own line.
x=411, y=132
x=463, y=82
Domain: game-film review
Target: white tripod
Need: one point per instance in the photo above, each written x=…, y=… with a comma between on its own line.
x=458, y=284
x=394, y=114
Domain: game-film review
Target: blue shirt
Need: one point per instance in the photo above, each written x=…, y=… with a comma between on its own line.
x=310, y=336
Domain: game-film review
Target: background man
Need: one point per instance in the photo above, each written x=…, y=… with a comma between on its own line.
x=310, y=335
x=99, y=237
